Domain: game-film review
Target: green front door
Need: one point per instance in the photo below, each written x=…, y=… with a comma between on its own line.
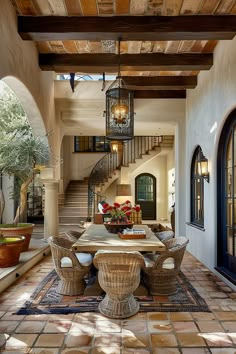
x=145, y=195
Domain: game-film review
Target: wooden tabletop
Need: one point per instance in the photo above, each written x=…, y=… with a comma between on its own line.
x=96, y=237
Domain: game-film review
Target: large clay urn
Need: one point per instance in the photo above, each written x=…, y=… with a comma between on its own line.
x=18, y=229
x=10, y=249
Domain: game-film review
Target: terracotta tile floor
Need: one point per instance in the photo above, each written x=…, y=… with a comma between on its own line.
x=144, y=333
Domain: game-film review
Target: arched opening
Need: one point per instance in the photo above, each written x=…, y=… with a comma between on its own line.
x=24, y=144
x=226, y=200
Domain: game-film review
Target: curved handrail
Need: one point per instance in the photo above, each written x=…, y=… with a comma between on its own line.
x=99, y=174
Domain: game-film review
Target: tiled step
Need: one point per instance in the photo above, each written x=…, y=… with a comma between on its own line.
x=71, y=219
x=76, y=204
x=81, y=212
x=75, y=208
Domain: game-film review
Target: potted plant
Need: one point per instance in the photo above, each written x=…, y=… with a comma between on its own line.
x=119, y=216
x=20, y=154
x=10, y=249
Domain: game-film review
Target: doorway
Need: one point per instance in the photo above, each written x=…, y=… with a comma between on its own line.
x=145, y=195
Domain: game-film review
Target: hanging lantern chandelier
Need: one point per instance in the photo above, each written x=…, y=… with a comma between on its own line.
x=119, y=109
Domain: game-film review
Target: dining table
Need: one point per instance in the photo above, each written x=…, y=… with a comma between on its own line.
x=96, y=237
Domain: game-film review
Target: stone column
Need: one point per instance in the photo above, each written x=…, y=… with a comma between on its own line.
x=51, y=220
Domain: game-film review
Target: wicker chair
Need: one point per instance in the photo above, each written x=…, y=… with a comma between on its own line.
x=118, y=276
x=162, y=269
x=70, y=267
x=76, y=233
x=164, y=236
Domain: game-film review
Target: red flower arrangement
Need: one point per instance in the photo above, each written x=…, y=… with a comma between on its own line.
x=120, y=212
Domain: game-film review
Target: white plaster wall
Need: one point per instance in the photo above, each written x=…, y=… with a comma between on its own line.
x=158, y=168
x=207, y=108
x=76, y=166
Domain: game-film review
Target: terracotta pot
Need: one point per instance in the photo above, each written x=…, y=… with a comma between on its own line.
x=115, y=228
x=19, y=229
x=10, y=249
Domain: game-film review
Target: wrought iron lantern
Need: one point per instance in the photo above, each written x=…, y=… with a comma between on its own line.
x=203, y=167
x=119, y=110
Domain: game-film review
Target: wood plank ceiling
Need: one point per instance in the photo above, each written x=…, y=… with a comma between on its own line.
x=150, y=60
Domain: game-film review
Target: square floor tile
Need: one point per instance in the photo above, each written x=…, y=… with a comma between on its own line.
x=30, y=327
x=134, y=326
x=217, y=339
x=209, y=326
x=160, y=326
x=190, y=340
x=185, y=326
x=62, y=326
x=19, y=341
x=163, y=340
x=78, y=340
x=105, y=340
x=135, y=340
x=50, y=340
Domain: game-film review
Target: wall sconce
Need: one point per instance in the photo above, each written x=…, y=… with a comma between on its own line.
x=114, y=146
x=123, y=190
x=203, y=167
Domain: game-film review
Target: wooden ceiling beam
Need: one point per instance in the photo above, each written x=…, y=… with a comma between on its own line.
x=130, y=28
x=162, y=94
x=160, y=82
x=109, y=63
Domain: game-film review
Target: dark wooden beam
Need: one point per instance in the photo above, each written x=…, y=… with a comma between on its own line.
x=137, y=28
x=160, y=82
x=145, y=94
x=97, y=63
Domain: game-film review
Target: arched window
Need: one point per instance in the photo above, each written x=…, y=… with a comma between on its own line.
x=226, y=199
x=197, y=190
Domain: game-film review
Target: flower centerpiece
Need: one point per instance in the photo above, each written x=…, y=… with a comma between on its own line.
x=120, y=214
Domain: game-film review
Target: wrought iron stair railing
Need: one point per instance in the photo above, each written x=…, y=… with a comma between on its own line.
x=105, y=168
x=101, y=172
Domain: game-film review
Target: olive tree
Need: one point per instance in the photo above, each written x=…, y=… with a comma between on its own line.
x=20, y=151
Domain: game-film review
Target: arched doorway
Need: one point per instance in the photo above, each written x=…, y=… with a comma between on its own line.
x=145, y=195
x=226, y=200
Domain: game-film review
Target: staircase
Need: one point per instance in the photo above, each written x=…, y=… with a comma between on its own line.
x=75, y=208
x=135, y=153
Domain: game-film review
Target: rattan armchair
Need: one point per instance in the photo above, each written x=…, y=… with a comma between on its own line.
x=164, y=236
x=162, y=269
x=118, y=276
x=70, y=267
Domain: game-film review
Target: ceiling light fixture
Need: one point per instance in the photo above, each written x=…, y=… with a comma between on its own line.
x=119, y=109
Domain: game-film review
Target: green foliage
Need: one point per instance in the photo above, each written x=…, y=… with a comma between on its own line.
x=20, y=150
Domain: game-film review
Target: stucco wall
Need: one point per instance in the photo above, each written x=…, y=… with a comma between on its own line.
x=77, y=166
x=207, y=108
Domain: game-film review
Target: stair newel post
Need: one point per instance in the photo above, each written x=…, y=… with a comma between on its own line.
x=135, y=148
x=140, y=146
x=144, y=145
x=132, y=151
x=110, y=164
x=124, y=154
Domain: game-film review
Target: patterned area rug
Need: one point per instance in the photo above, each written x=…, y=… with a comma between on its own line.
x=45, y=300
